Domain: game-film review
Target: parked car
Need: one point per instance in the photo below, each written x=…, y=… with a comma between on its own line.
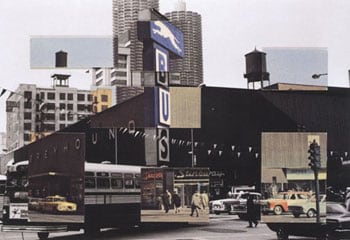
x=224, y=205
x=280, y=203
x=337, y=226
x=57, y=204
x=239, y=206
x=309, y=207
x=338, y=221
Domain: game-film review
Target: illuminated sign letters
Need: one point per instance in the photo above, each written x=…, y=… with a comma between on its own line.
x=164, y=106
x=163, y=144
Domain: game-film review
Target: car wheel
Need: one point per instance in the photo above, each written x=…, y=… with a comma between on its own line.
x=282, y=234
x=311, y=213
x=328, y=236
x=296, y=215
x=278, y=210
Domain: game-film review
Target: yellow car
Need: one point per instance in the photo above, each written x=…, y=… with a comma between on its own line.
x=57, y=204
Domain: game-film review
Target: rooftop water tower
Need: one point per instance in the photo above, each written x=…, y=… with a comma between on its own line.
x=256, y=69
x=61, y=59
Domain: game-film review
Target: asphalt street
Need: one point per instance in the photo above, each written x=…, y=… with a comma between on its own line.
x=223, y=227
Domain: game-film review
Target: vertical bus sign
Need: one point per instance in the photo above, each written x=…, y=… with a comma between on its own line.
x=163, y=144
x=161, y=66
x=164, y=106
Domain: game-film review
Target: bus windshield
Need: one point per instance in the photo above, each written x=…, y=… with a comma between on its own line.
x=17, y=180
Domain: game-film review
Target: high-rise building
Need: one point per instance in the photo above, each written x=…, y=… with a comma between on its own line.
x=33, y=112
x=125, y=16
x=126, y=75
x=191, y=66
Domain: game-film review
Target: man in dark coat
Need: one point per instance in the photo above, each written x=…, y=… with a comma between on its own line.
x=252, y=211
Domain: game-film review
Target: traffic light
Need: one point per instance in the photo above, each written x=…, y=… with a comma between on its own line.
x=315, y=155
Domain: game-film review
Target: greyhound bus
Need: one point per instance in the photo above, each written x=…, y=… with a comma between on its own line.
x=111, y=198
x=51, y=188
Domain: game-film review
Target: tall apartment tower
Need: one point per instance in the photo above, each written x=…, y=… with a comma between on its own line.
x=191, y=66
x=125, y=16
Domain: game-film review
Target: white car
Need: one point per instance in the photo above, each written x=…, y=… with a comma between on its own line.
x=239, y=206
x=309, y=207
x=224, y=205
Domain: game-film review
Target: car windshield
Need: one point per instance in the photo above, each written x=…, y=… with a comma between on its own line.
x=336, y=209
x=281, y=196
x=302, y=196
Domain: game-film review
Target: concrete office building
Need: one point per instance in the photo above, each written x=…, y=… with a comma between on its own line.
x=33, y=112
x=191, y=66
x=120, y=76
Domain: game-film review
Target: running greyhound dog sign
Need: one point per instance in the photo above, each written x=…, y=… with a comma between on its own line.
x=165, y=34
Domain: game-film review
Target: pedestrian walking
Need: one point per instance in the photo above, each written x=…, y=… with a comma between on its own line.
x=252, y=212
x=195, y=203
x=176, y=201
x=166, y=198
x=204, y=199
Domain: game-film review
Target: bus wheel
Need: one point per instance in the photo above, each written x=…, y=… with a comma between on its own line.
x=282, y=234
x=91, y=230
x=43, y=235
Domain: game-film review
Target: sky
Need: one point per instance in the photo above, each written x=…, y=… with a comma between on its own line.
x=230, y=29
x=81, y=52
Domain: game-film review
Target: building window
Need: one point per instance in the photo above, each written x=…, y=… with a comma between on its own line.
x=119, y=82
x=51, y=96
x=119, y=74
x=70, y=117
x=90, y=97
x=27, y=126
x=28, y=115
x=70, y=96
x=89, y=108
x=27, y=137
x=62, y=126
x=42, y=95
x=98, y=75
x=28, y=104
x=122, y=57
x=70, y=106
x=50, y=116
x=63, y=117
x=81, y=107
x=50, y=127
x=81, y=97
x=104, y=98
x=62, y=96
x=62, y=106
x=121, y=65
x=50, y=106
x=28, y=95
x=104, y=107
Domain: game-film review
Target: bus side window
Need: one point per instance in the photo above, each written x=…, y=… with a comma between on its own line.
x=117, y=180
x=102, y=180
x=137, y=181
x=90, y=180
x=129, y=181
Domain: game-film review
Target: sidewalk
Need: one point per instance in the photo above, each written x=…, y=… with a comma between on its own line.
x=171, y=216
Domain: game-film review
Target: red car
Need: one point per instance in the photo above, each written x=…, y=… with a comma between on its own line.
x=280, y=203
